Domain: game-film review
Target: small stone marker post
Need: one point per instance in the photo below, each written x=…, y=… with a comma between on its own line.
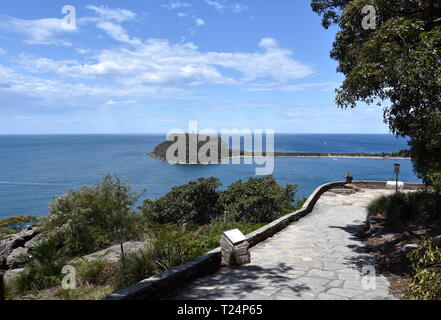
x=234, y=248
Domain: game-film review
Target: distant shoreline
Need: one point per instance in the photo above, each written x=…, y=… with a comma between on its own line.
x=305, y=155
x=332, y=156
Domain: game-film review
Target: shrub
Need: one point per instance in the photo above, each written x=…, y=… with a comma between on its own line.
x=43, y=271
x=97, y=273
x=155, y=257
x=435, y=181
x=258, y=199
x=195, y=202
x=15, y=224
x=90, y=219
x=173, y=245
x=402, y=209
x=426, y=265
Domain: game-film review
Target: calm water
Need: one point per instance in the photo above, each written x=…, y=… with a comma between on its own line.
x=34, y=169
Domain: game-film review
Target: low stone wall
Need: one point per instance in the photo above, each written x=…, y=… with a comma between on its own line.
x=167, y=281
x=163, y=284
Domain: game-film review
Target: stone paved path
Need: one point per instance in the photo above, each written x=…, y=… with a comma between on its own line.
x=317, y=257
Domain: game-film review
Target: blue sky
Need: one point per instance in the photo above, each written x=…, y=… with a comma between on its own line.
x=151, y=66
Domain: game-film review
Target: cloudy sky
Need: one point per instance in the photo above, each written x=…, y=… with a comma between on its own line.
x=150, y=66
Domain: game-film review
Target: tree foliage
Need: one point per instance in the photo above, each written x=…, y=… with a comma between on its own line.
x=258, y=199
x=195, y=202
x=91, y=218
x=397, y=65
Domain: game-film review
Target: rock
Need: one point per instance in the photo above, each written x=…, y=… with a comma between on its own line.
x=11, y=274
x=113, y=253
x=35, y=241
x=385, y=235
x=437, y=241
x=28, y=233
x=7, y=245
x=18, y=257
x=409, y=248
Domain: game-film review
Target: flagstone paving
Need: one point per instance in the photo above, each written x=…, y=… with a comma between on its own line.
x=318, y=257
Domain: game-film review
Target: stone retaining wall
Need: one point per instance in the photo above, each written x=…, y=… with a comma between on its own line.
x=163, y=284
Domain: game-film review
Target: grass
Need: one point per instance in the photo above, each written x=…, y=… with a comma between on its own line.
x=168, y=246
x=172, y=245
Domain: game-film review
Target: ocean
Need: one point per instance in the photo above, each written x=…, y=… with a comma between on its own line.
x=36, y=168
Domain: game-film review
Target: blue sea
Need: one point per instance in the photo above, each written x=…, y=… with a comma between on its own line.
x=36, y=168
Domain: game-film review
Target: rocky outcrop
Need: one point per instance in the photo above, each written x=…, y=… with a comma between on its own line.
x=14, y=249
x=113, y=253
x=35, y=241
x=18, y=257
x=7, y=245
x=11, y=274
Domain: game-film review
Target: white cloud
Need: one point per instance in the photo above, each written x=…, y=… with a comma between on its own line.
x=158, y=62
x=109, y=20
x=117, y=15
x=322, y=86
x=40, y=31
x=199, y=22
x=82, y=50
x=176, y=5
x=2, y=52
x=221, y=6
x=117, y=32
x=238, y=8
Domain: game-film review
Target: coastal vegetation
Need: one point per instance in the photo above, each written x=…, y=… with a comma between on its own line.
x=15, y=224
x=89, y=219
x=194, y=144
x=205, y=143
x=402, y=210
x=173, y=229
x=395, y=63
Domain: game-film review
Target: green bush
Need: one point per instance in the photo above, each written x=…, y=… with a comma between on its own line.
x=43, y=271
x=90, y=219
x=402, y=209
x=426, y=265
x=258, y=199
x=195, y=202
x=15, y=224
x=153, y=258
x=435, y=181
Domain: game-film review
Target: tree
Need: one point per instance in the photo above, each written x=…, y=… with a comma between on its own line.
x=396, y=65
x=195, y=202
x=89, y=219
x=258, y=199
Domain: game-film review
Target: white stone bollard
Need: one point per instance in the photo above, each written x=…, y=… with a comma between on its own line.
x=234, y=248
